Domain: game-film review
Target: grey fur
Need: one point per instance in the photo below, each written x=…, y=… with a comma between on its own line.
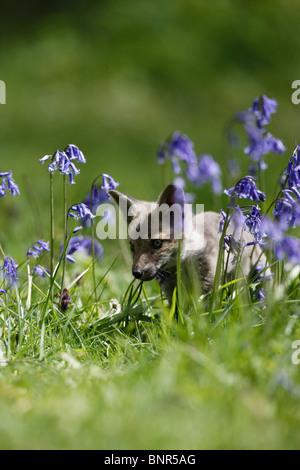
x=198, y=260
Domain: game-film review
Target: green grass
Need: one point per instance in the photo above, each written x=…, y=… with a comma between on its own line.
x=156, y=384
x=135, y=378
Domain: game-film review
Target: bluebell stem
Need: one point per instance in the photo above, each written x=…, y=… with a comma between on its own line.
x=76, y=211
x=63, y=161
x=99, y=193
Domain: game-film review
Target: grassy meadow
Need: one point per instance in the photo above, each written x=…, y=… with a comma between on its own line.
x=116, y=370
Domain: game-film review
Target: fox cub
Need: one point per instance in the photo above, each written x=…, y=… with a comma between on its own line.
x=154, y=240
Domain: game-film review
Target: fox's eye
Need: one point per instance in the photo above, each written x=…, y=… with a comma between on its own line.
x=131, y=246
x=156, y=243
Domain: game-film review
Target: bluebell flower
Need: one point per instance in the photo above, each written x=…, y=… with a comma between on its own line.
x=267, y=144
x=83, y=243
x=179, y=182
x=40, y=271
x=287, y=208
x=38, y=248
x=45, y=158
x=274, y=237
x=271, y=232
x=238, y=220
x=260, y=141
x=253, y=221
x=292, y=171
x=58, y=161
x=98, y=196
x=258, y=277
x=261, y=295
x=80, y=211
x=242, y=219
x=108, y=184
x=289, y=249
x=233, y=167
x=233, y=245
x=257, y=167
x=246, y=188
x=8, y=184
x=162, y=277
x=178, y=148
x=63, y=161
x=258, y=273
x=100, y=192
x=262, y=108
x=66, y=167
x=272, y=145
x=253, y=132
x=9, y=269
x=222, y=221
x=206, y=170
x=77, y=229
x=74, y=153
x=283, y=210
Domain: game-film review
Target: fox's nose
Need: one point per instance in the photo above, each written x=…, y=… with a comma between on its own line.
x=137, y=273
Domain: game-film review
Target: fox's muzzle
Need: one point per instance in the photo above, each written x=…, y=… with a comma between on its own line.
x=143, y=274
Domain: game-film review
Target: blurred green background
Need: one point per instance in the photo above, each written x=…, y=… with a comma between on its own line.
x=118, y=77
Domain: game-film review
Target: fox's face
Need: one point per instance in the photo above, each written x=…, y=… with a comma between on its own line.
x=153, y=258
x=154, y=248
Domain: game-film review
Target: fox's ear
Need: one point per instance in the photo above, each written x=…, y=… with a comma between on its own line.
x=171, y=195
x=117, y=196
x=124, y=202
